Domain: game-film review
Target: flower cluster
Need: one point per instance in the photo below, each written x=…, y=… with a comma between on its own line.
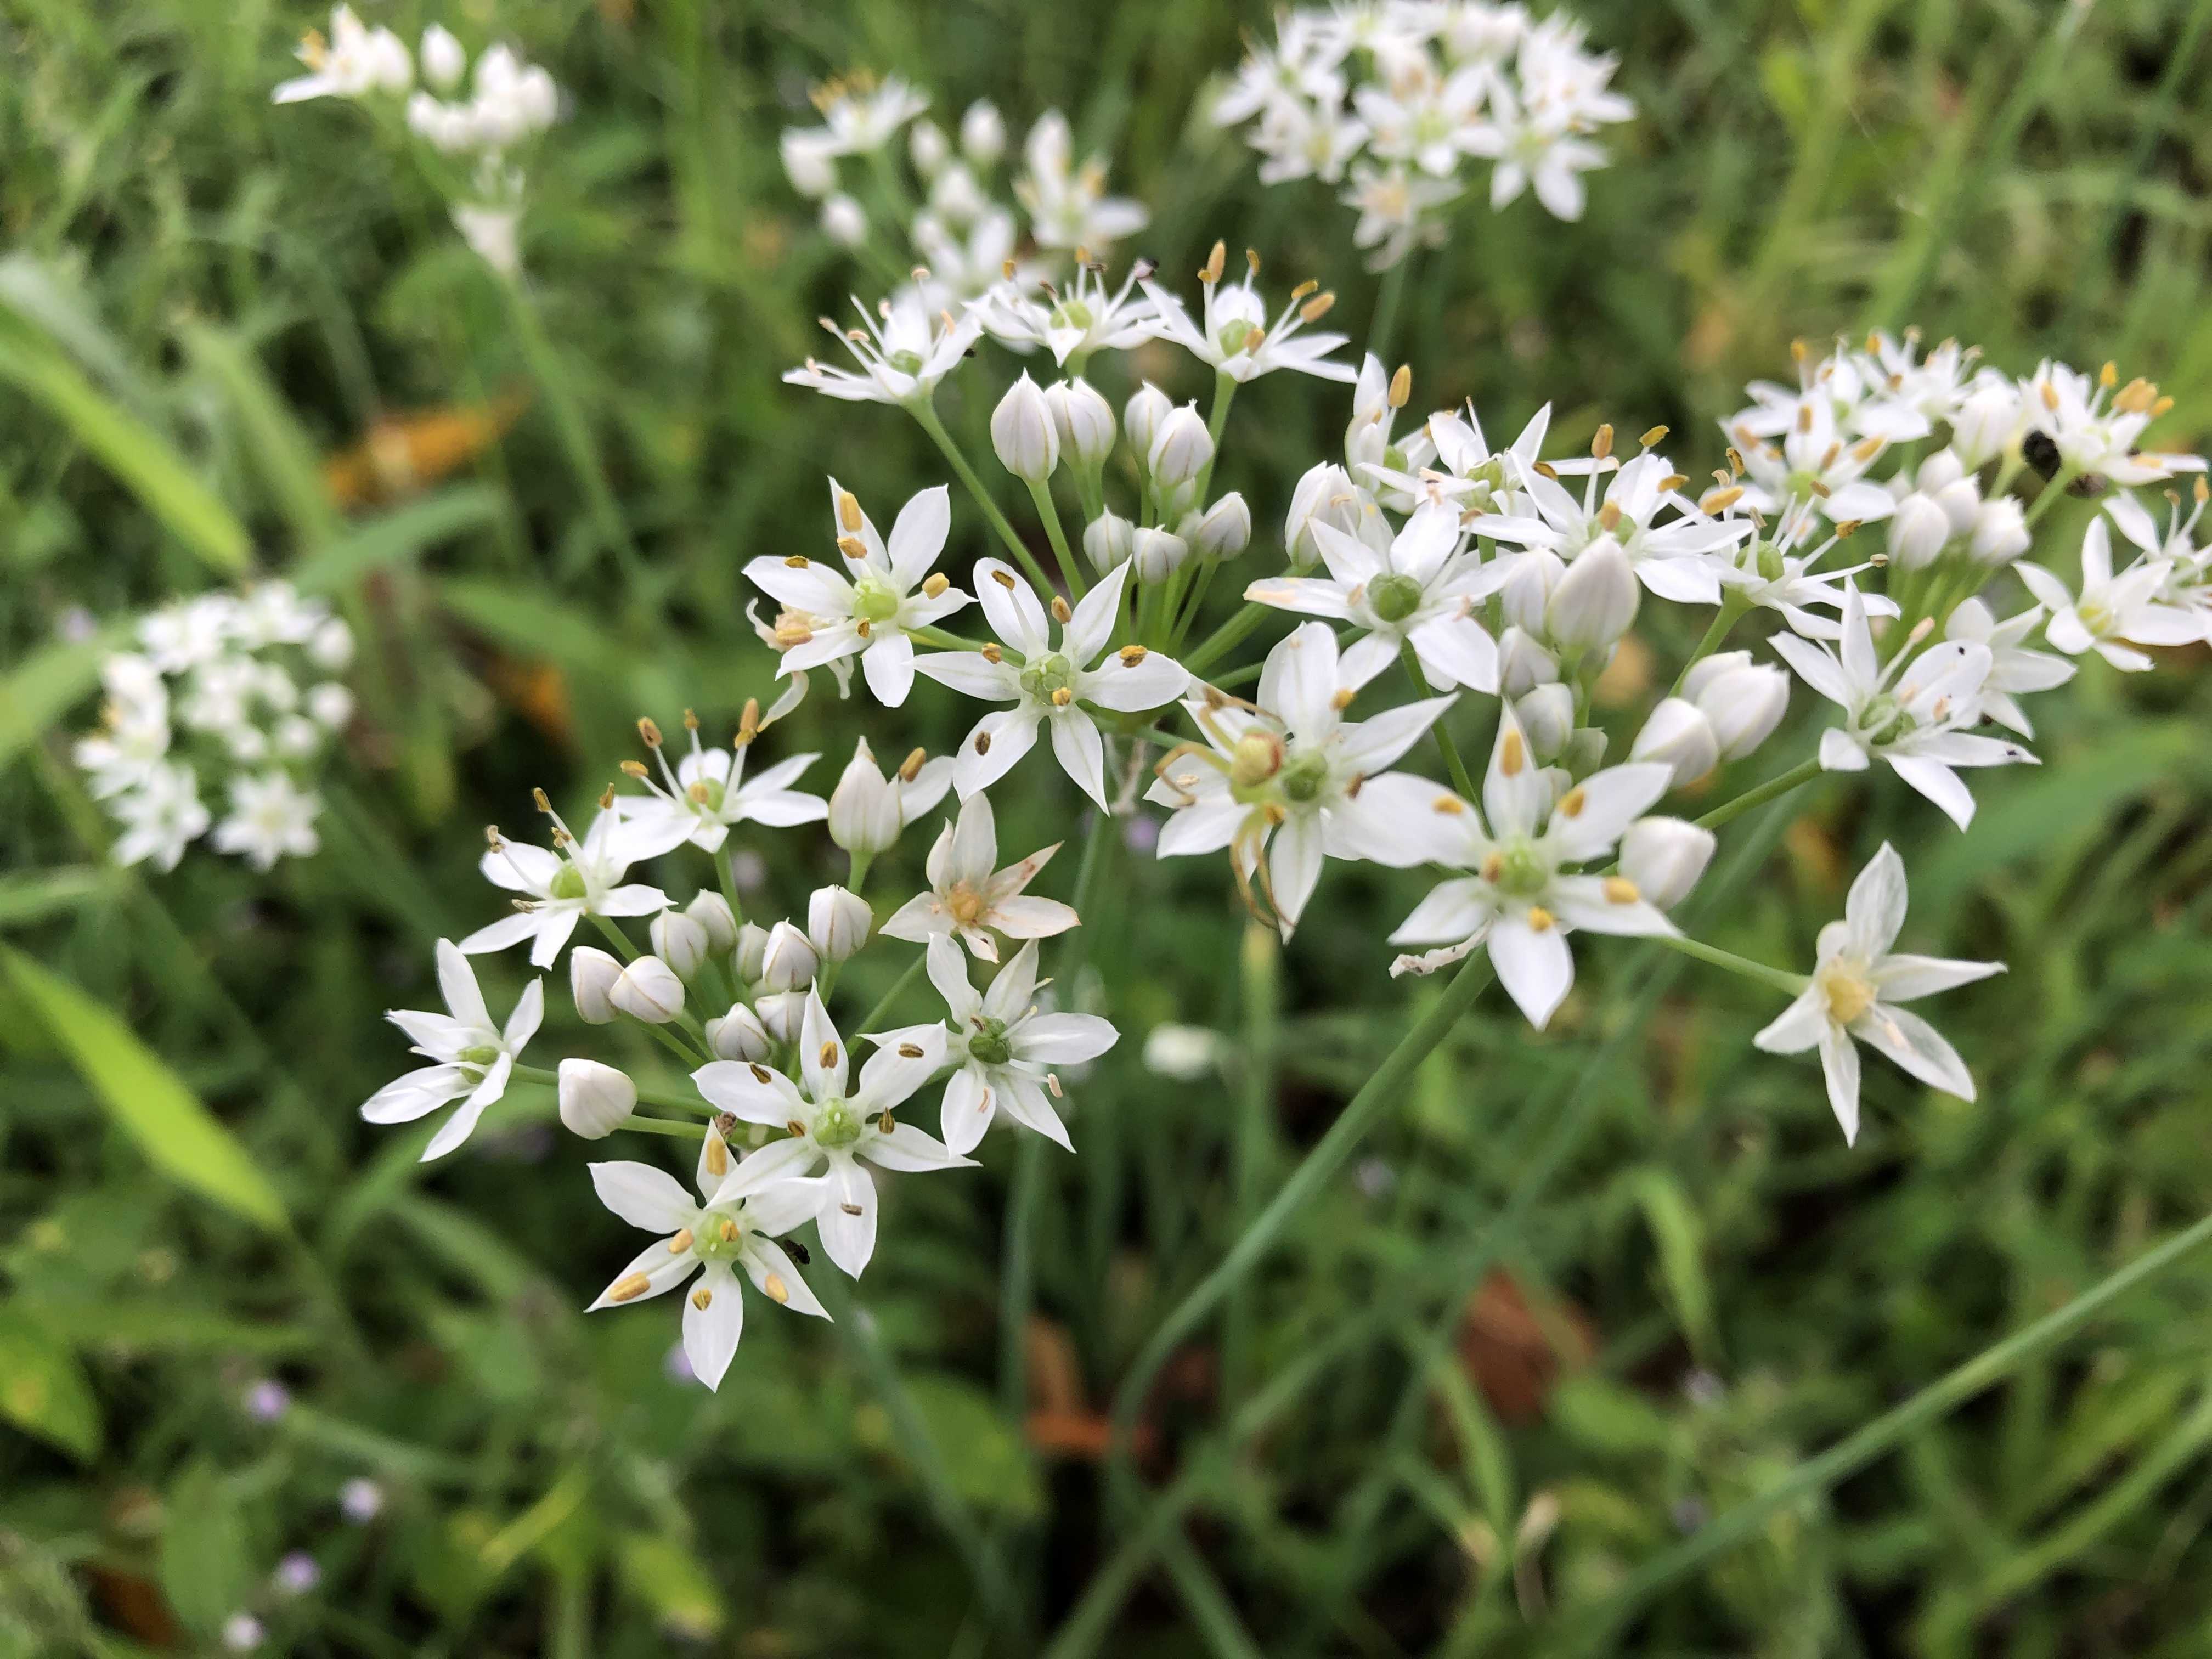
x=1393, y=101
x=230, y=693
x=790, y=1130
x=475, y=122
x=955, y=217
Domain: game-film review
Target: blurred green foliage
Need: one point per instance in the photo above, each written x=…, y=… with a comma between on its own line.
x=1590, y=1288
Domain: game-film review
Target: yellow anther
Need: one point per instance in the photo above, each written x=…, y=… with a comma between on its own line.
x=680, y=1243
x=910, y=767
x=629, y=1288
x=1060, y=613
x=1657, y=435
x=853, y=548
x=776, y=1289
x=1541, y=921
x=1401, y=386
x=1512, y=754
x=1450, y=805
x=1571, y=802
x=848, y=510
x=1317, y=308
x=1619, y=890
x=1131, y=656
x=1005, y=579
x=1602, y=444
x=1215, y=263
x=702, y=1298
x=934, y=586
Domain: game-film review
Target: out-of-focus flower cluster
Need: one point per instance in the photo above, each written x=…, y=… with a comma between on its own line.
x=1394, y=101
x=478, y=122
x=227, y=697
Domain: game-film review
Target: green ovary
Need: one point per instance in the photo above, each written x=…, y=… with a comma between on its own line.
x=873, y=599
x=1394, y=598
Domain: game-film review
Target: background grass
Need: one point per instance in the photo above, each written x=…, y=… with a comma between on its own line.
x=1586, y=1291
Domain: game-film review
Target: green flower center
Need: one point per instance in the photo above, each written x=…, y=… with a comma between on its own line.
x=482, y=1055
x=1521, y=871
x=1801, y=485
x=907, y=362
x=1394, y=457
x=1256, y=757
x=709, y=793
x=988, y=1042
x=569, y=883
x=1232, y=335
x=1394, y=598
x=719, y=1236
x=2094, y=616
x=874, y=600
x=1849, y=995
x=835, y=1124
x=1304, y=778
x=1769, y=560
x=1072, y=314
x=1044, y=676
x=1884, y=719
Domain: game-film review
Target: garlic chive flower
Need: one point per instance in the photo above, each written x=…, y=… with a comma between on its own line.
x=560, y=888
x=1003, y=1048
x=2014, y=667
x=967, y=898
x=1467, y=473
x=1813, y=465
x=1853, y=992
x=2114, y=613
x=867, y=810
x=355, y=61
x=705, y=792
x=1773, y=573
x=746, y=1206
x=1048, y=685
x=1282, y=782
x=1234, y=336
x=1523, y=895
x=1067, y=200
x=902, y=351
x=2092, y=436
x=867, y=611
x=1671, y=558
x=472, y=1058
x=831, y=1121
x=1072, y=320
x=1917, y=713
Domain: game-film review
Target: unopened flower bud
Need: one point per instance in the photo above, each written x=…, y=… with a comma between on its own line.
x=1522, y=664
x=1594, y=603
x=1022, y=432
x=649, y=990
x=983, y=133
x=926, y=144
x=2001, y=532
x=1664, y=857
x=596, y=1100
x=1222, y=531
x=808, y=160
x=1547, y=714
x=1678, y=735
x=1986, y=423
x=1938, y=472
x=1325, y=494
x=837, y=922
x=1745, y=701
x=1185, y=1053
x=1180, y=446
x=738, y=1035
x=592, y=975
x=1085, y=422
x=1528, y=590
x=1156, y=553
x=1108, y=540
x=712, y=912
x=443, y=59
x=790, y=960
x=781, y=1013
x=1961, y=502
x=844, y=221
x=864, y=808
x=1585, y=751
x=751, y=952
x=1917, y=530
x=680, y=942
x=1148, y=406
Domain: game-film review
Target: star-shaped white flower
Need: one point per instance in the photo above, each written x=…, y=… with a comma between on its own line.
x=1467, y=473
x=747, y=1206
x=831, y=1121
x=1522, y=897
x=860, y=115
x=2014, y=666
x=1293, y=772
x=1773, y=573
x=967, y=897
x=1667, y=540
x=1067, y=204
x=2092, y=436
x=706, y=792
x=868, y=611
x=2114, y=613
x=1075, y=320
x=472, y=1058
x=1234, y=337
x=1814, y=463
x=1048, y=685
x=1854, y=990
x=1004, y=1047
x=562, y=888
x=271, y=818
x=1421, y=590
x=1914, y=713
x=356, y=59
x=902, y=352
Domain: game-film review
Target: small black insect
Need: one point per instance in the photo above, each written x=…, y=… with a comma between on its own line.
x=2040, y=451
x=797, y=1251
x=2089, y=485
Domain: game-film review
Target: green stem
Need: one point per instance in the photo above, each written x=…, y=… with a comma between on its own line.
x=1225, y=393
x=650, y=1096
x=1731, y=611
x=1788, y=984
x=875, y=1015
x=1262, y=965
x=1804, y=772
x=2053, y=491
x=661, y=1126
x=1383, y=330
x=1870, y=1441
x=944, y=641
x=1460, y=781
x=1040, y=493
x=927, y=419
x=1225, y=638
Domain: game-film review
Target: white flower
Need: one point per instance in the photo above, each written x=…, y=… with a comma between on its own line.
x=748, y=1206
x=473, y=1058
x=595, y=1100
x=1003, y=1048
x=2092, y=438
x=1535, y=136
x=1067, y=204
x=832, y=1122
x=902, y=356
x=982, y=132
x=443, y=59
x=1292, y=769
x=1083, y=421
x=647, y=990
x=1813, y=463
x=868, y=811
x=1855, y=987
x=160, y=816
x=1744, y=701
x=1072, y=320
x=838, y=921
x=1772, y=574
x=1672, y=558
x=706, y=794
x=1234, y=336
x=562, y=888
x=1466, y=473
x=1664, y=857
x=271, y=818
x=860, y=115
x=1914, y=713
x=493, y=233
x=1521, y=900
x=1419, y=591
x=1397, y=208
x=890, y=590
x=2014, y=667
x=967, y=897
x=2114, y=612
x=356, y=60
x=1022, y=434
x=1048, y=686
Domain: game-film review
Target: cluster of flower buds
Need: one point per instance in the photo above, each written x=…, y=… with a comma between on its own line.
x=965, y=228
x=1394, y=102
x=788, y=1129
x=508, y=103
x=230, y=692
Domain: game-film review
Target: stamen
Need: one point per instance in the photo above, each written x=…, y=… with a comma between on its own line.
x=1619, y=890
x=629, y=1288
x=1005, y=579
x=910, y=767
x=702, y=1298
x=680, y=1243
x=1541, y=921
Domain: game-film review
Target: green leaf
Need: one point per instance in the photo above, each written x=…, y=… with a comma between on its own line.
x=396, y=536
x=146, y=1098
x=664, y=1575
x=203, y=1567
x=43, y=1389
x=133, y=451
x=37, y=893
x=1680, y=1238
x=990, y=1468
x=44, y=687
x=279, y=450
x=1606, y=1417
